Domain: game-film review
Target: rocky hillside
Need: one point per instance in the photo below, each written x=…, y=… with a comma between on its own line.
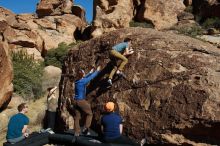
x=55, y=22
x=172, y=85
x=171, y=93
x=110, y=15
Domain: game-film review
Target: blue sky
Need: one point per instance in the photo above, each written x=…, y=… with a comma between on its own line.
x=29, y=6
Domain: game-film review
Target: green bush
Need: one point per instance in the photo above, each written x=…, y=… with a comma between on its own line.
x=211, y=23
x=189, y=9
x=27, y=75
x=56, y=56
x=190, y=31
x=140, y=24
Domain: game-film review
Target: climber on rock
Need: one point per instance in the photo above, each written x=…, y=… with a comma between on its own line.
x=82, y=104
x=120, y=52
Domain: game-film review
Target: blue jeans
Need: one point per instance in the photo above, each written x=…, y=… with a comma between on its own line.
x=14, y=140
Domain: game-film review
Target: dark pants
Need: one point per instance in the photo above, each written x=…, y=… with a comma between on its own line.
x=121, y=140
x=51, y=119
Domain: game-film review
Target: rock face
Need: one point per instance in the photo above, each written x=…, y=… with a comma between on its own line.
x=172, y=85
x=54, y=7
x=162, y=14
x=187, y=2
x=79, y=11
x=211, y=39
x=37, y=35
x=51, y=77
x=6, y=86
x=110, y=15
x=206, y=8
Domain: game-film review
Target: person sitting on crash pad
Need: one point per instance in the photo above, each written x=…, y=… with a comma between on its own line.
x=112, y=126
x=120, y=52
x=18, y=125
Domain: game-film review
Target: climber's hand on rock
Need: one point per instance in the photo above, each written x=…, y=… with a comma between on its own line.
x=92, y=70
x=98, y=68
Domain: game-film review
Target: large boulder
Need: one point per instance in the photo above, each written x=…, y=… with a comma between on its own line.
x=162, y=14
x=51, y=77
x=79, y=11
x=110, y=15
x=187, y=2
x=37, y=35
x=206, y=8
x=6, y=12
x=171, y=87
x=54, y=7
x=8, y=15
x=57, y=29
x=6, y=18
x=6, y=86
x=3, y=24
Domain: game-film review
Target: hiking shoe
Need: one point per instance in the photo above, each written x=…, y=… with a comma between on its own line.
x=51, y=131
x=45, y=130
x=86, y=131
x=121, y=74
x=110, y=82
x=143, y=142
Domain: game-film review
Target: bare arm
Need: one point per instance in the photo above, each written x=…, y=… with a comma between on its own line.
x=126, y=51
x=25, y=131
x=52, y=96
x=121, y=128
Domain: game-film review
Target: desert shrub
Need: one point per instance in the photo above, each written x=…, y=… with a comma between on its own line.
x=56, y=56
x=192, y=31
x=140, y=24
x=198, y=18
x=189, y=9
x=211, y=23
x=27, y=75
